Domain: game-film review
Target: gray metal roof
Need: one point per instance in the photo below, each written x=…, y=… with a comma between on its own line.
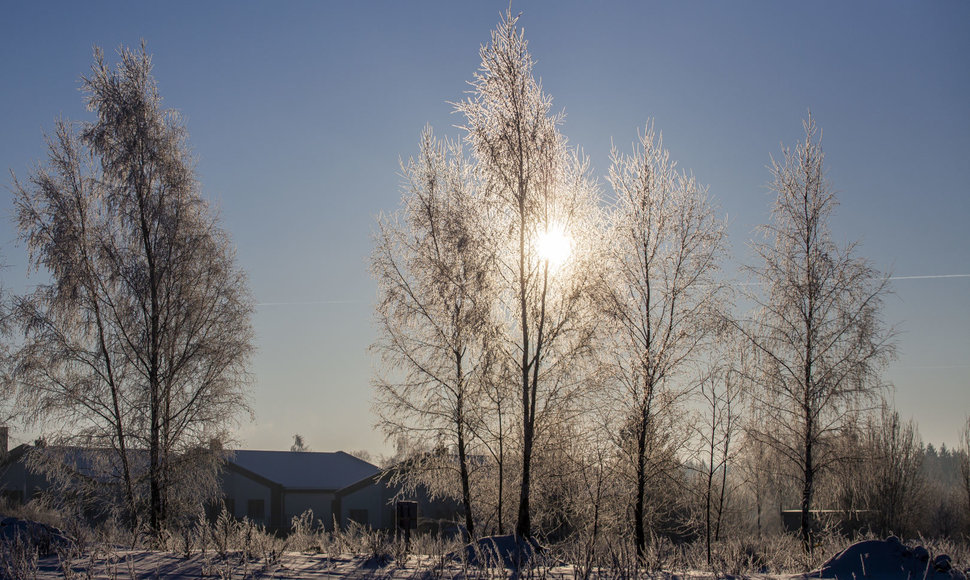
x=305, y=469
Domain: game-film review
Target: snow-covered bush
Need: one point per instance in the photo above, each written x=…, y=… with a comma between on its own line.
x=306, y=534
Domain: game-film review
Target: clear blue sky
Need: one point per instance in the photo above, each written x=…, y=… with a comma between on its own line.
x=299, y=111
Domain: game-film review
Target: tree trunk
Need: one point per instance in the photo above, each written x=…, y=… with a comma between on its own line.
x=639, y=533
x=707, y=515
x=466, y=496
x=724, y=466
x=501, y=474
x=807, y=490
x=155, y=492
x=117, y=422
x=523, y=524
x=710, y=488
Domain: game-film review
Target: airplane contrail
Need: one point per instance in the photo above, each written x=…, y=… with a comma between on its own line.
x=934, y=367
x=929, y=276
x=920, y=277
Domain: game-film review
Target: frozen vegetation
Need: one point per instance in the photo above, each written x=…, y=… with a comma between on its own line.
x=227, y=548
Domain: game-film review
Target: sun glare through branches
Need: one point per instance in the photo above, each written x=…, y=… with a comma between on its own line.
x=554, y=245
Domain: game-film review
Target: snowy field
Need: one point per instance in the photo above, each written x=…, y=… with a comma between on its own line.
x=294, y=566
x=881, y=559
x=32, y=550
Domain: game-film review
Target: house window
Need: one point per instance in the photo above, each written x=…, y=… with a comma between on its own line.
x=359, y=516
x=256, y=509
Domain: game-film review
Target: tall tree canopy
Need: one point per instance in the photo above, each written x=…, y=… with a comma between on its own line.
x=139, y=343
x=819, y=336
x=661, y=300
x=542, y=206
x=432, y=263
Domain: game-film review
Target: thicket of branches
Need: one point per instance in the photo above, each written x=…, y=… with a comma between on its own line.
x=617, y=392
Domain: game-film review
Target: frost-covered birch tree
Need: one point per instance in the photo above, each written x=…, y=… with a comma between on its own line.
x=661, y=297
x=819, y=332
x=432, y=265
x=138, y=346
x=540, y=201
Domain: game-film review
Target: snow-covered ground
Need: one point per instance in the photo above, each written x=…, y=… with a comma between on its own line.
x=488, y=558
x=297, y=566
x=877, y=559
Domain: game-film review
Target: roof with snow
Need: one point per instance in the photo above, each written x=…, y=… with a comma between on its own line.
x=305, y=469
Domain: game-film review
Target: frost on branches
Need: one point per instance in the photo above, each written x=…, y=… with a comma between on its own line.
x=136, y=350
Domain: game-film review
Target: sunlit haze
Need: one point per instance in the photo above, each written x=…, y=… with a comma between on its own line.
x=554, y=245
x=299, y=113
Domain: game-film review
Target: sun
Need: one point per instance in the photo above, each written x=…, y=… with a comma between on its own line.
x=554, y=246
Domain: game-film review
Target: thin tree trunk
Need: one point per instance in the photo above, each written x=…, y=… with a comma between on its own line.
x=809, y=318
x=809, y=473
x=639, y=533
x=154, y=380
x=118, y=425
x=466, y=496
x=501, y=473
x=523, y=525
x=724, y=464
x=710, y=486
x=109, y=367
x=720, y=503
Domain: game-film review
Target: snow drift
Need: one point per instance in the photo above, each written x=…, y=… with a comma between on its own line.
x=887, y=559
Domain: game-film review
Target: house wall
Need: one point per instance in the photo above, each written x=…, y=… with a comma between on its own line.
x=297, y=502
x=241, y=490
x=17, y=484
x=375, y=499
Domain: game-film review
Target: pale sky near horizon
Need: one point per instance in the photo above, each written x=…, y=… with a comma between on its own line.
x=298, y=113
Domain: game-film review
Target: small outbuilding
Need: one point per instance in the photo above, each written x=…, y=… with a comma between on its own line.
x=272, y=487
